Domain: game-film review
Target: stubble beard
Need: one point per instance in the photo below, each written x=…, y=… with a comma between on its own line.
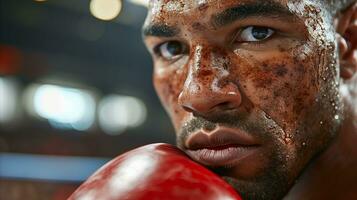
x=273, y=185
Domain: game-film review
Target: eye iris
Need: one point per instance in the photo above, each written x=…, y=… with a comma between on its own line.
x=260, y=33
x=174, y=48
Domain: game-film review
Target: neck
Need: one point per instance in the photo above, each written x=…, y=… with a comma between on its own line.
x=333, y=174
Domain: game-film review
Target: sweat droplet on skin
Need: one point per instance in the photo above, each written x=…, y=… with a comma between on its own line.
x=267, y=116
x=287, y=139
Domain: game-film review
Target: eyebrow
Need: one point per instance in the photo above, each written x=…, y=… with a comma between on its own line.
x=266, y=8
x=160, y=30
x=254, y=9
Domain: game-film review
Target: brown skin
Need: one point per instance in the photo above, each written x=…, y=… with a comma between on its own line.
x=285, y=90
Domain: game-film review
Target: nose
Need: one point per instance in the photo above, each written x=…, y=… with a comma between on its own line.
x=207, y=87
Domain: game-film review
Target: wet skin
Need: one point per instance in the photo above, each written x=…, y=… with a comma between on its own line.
x=268, y=68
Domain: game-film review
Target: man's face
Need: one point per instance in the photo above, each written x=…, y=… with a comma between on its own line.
x=251, y=86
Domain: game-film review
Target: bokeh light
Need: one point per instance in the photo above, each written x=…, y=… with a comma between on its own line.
x=8, y=99
x=105, y=9
x=117, y=113
x=64, y=107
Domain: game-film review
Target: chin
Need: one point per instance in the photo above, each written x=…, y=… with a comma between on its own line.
x=271, y=186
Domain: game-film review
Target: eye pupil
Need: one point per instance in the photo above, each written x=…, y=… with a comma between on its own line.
x=260, y=33
x=174, y=47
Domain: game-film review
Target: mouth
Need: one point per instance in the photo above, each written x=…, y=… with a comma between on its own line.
x=221, y=147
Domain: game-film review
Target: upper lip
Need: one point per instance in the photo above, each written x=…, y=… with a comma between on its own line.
x=221, y=136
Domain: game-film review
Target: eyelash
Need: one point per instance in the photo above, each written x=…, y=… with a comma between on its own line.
x=255, y=44
x=156, y=49
x=159, y=55
x=238, y=33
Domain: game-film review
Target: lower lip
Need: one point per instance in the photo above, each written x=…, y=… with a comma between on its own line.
x=222, y=157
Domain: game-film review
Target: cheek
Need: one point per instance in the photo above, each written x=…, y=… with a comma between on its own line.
x=168, y=86
x=282, y=86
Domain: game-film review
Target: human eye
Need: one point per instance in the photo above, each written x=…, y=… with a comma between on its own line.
x=170, y=50
x=254, y=34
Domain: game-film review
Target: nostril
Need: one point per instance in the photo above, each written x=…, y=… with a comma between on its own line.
x=187, y=108
x=206, y=102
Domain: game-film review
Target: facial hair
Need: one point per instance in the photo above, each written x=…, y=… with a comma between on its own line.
x=273, y=184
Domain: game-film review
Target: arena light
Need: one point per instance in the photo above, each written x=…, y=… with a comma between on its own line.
x=64, y=107
x=48, y=168
x=144, y=3
x=105, y=9
x=117, y=113
x=8, y=99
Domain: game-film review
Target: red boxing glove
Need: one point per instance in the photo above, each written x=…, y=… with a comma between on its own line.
x=156, y=171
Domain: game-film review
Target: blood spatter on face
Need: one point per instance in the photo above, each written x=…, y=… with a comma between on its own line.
x=205, y=73
x=280, y=70
x=198, y=26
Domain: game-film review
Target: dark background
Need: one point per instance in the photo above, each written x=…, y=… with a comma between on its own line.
x=62, y=43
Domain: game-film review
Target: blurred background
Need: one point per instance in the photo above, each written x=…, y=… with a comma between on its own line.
x=75, y=91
